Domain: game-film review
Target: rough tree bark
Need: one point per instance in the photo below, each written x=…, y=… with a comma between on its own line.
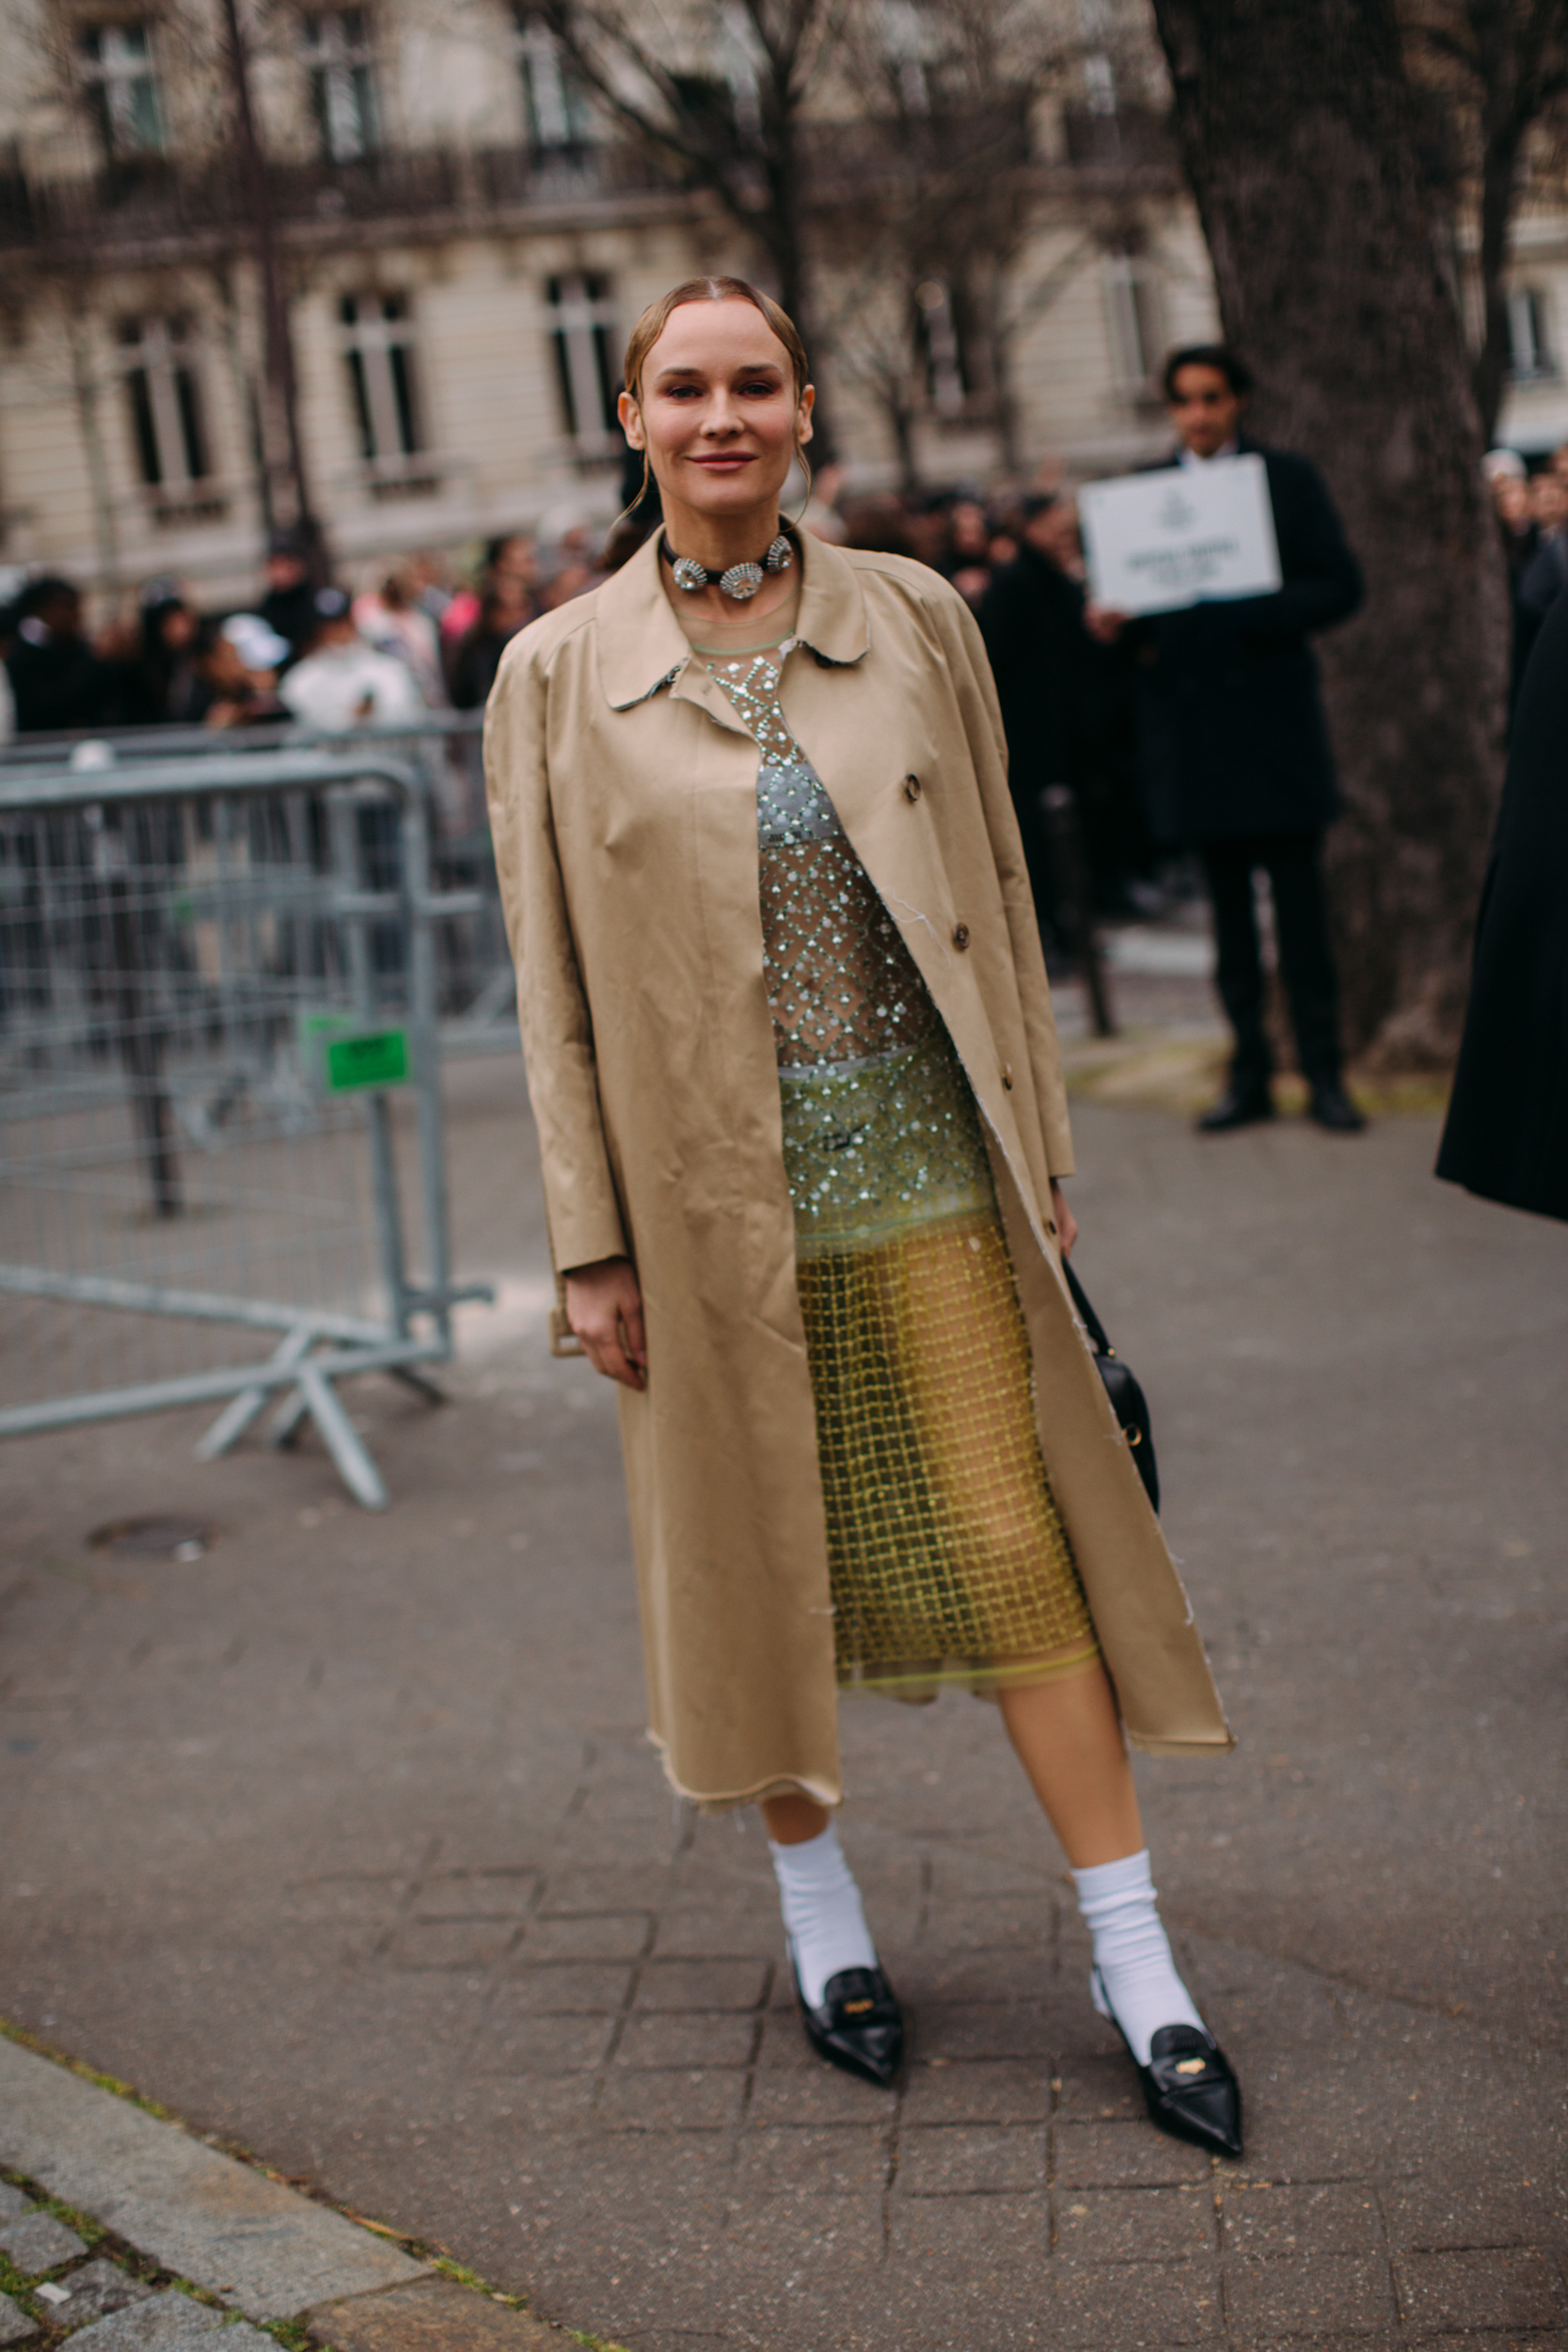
x=1297, y=128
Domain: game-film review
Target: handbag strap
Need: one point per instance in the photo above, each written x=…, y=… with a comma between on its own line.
x=1091, y=1322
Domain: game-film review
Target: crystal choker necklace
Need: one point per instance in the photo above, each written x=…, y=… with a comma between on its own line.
x=740, y=582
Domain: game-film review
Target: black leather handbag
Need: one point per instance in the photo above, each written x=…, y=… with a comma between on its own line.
x=1128, y=1401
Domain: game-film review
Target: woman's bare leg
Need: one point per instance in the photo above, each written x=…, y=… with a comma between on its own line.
x=792, y=1820
x=1068, y=1740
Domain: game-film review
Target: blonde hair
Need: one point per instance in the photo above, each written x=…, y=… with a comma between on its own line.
x=657, y=317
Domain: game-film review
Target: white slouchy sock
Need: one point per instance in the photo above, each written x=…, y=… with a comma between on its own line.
x=1131, y=1952
x=822, y=1914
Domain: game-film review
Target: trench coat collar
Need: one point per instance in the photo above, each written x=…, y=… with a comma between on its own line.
x=642, y=646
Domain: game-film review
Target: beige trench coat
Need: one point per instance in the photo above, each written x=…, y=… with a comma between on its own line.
x=622, y=798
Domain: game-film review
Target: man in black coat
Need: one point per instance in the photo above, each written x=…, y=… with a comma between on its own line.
x=1235, y=750
x=57, y=680
x=1507, y=1132
x=1031, y=619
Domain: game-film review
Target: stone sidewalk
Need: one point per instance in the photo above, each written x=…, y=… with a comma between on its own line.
x=343, y=1842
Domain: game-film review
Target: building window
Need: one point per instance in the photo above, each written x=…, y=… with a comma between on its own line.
x=939, y=332
x=378, y=348
x=555, y=103
x=582, y=330
x=1530, y=348
x=120, y=78
x=342, y=62
x=1132, y=322
x=165, y=399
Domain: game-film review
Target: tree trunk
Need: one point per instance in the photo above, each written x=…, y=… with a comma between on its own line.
x=1296, y=124
x=282, y=441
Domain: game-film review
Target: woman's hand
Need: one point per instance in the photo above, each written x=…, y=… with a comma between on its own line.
x=604, y=1307
x=1066, y=1224
x=1103, y=624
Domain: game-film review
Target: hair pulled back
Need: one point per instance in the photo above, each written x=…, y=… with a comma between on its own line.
x=657, y=317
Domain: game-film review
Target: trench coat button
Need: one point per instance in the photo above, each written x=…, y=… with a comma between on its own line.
x=1051, y=1228
x=960, y=934
x=911, y=787
x=1007, y=1077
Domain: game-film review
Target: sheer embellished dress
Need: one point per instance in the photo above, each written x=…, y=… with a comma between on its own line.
x=949, y=1559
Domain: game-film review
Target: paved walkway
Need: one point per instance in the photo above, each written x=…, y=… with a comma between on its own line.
x=342, y=1840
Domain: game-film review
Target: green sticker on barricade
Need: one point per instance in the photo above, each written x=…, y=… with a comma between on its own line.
x=374, y=1058
x=341, y=1056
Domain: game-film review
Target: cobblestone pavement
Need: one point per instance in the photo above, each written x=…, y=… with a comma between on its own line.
x=343, y=1840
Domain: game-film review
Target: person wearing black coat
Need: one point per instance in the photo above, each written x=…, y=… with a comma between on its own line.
x=1506, y=1138
x=57, y=680
x=1031, y=619
x=1235, y=753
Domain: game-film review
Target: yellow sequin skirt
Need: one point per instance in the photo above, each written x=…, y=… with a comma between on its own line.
x=948, y=1557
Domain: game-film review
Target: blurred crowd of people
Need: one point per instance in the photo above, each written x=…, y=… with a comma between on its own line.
x=418, y=635
x=1533, y=520
x=423, y=634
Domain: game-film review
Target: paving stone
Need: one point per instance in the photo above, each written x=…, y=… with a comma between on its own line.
x=1322, y=2216
x=957, y=2159
x=676, y=2039
x=596, y=1935
x=97, y=2289
x=742, y=1934
x=1098, y=2091
x=1451, y=2216
x=15, y=2326
x=999, y=2092
x=38, y=2242
x=1135, y=2224
x=541, y=2045
x=983, y=2240
x=564, y=1989
x=1311, y=2293
x=14, y=2203
x=703, y=1984
x=452, y=1942
x=437, y=2315
x=1123, y=2155
x=845, y=2160
x=1513, y=2288
x=984, y=2030
x=1132, y=2305
x=652, y=2100
x=169, y=2323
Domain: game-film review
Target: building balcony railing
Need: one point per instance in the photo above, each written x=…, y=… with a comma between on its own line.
x=161, y=202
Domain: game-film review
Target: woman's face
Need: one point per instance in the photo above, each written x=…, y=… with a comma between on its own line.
x=718, y=415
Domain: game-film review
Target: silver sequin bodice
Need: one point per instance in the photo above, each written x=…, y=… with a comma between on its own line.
x=880, y=1130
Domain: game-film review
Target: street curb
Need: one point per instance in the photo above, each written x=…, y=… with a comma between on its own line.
x=231, y=2229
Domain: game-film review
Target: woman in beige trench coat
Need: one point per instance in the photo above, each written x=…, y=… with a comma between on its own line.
x=771, y=918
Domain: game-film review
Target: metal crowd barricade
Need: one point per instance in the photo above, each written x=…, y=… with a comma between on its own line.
x=475, y=985
x=219, y=1081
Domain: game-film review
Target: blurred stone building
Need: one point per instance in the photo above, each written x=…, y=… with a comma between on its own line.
x=462, y=236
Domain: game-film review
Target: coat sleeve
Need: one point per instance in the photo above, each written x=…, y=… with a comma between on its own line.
x=552, y=1004
x=982, y=724
x=1322, y=577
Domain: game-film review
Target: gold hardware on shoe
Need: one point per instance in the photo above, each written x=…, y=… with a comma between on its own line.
x=857, y=2009
x=1191, y=2066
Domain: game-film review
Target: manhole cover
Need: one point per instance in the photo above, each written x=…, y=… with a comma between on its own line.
x=157, y=1537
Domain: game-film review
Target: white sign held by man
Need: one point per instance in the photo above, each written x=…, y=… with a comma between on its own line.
x=1155, y=542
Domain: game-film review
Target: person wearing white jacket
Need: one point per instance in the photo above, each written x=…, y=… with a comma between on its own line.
x=343, y=682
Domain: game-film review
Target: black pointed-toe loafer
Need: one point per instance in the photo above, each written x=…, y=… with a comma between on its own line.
x=859, y=2025
x=1192, y=2091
